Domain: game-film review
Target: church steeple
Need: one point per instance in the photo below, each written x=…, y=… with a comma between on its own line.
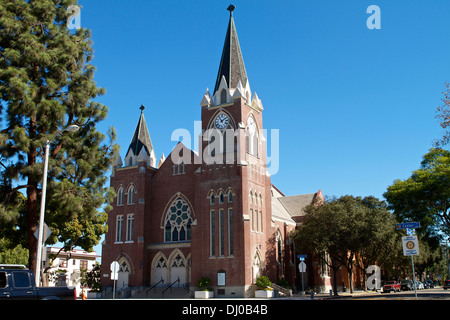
x=141, y=148
x=231, y=64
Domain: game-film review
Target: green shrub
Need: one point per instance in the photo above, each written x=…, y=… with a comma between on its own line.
x=203, y=283
x=263, y=282
x=283, y=283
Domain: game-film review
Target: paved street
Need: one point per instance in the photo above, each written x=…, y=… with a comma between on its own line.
x=426, y=294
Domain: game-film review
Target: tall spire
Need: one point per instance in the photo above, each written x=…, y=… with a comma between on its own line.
x=231, y=64
x=141, y=142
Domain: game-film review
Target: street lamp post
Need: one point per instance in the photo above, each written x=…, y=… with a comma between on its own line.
x=448, y=260
x=40, y=244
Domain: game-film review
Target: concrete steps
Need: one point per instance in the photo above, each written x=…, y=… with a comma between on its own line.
x=157, y=293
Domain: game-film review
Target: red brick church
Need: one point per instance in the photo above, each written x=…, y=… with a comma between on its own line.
x=209, y=213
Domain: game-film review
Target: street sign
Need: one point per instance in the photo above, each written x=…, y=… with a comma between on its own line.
x=114, y=270
x=408, y=225
x=46, y=234
x=301, y=257
x=302, y=267
x=410, y=246
x=114, y=267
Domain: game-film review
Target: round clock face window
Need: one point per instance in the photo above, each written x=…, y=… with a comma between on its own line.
x=221, y=121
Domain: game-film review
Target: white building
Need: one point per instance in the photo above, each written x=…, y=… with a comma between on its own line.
x=65, y=269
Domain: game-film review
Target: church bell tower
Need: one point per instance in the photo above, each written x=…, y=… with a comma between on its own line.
x=234, y=161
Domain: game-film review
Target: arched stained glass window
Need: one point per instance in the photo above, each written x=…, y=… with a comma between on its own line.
x=178, y=222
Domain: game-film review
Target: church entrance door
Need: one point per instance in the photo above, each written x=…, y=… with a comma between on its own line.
x=122, y=280
x=160, y=272
x=178, y=271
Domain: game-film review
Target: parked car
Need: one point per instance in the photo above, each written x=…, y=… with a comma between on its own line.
x=419, y=285
x=391, y=286
x=446, y=284
x=19, y=284
x=430, y=283
x=406, y=285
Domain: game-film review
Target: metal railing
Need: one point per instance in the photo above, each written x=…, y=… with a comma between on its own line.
x=170, y=286
x=154, y=286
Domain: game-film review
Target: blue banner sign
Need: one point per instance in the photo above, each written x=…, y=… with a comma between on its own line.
x=408, y=225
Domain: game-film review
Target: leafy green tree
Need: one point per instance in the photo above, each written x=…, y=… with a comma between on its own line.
x=379, y=234
x=443, y=114
x=92, y=278
x=12, y=217
x=46, y=85
x=12, y=254
x=425, y=196
x=347, y=228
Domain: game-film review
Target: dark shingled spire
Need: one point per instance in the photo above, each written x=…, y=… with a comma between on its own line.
x=231, y=64
x=141, y=138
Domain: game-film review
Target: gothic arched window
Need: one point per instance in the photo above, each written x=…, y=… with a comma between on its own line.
x=178, y=222
x=120, y=196
x=230, y=196
x=130, y=195
x=223, y=96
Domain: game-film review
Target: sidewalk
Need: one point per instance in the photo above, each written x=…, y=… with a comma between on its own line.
x=347, y=294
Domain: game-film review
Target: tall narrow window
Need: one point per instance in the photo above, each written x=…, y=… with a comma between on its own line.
x=212, y=234
x=257, y=221
x=168, y=233
x=212, y=199
x=230, y=196
x=130, y=227
x=251, y=137
x=221, y=233
x=119, y=228
x=131, y=195
x=189, y=229
x=230, y=232
x=223, y=96
x=120, y=196
x=252, y=217
x=261, y=221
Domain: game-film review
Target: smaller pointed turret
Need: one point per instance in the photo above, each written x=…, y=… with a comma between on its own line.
x=161, y=160
x=141, y=148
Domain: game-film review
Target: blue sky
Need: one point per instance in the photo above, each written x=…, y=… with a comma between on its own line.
x=354, y=107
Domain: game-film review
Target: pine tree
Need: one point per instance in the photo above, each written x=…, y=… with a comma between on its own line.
x=46, y=85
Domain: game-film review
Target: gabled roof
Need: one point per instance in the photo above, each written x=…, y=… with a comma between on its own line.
x=231, y=63
x=141, y=138
x=289, y=208
x=295, y=205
